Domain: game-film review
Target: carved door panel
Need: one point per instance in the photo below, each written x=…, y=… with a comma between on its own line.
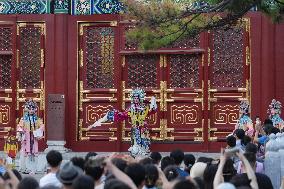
x=30, y=65
x=183, y=97
x=98, y=81
x=229, y=82
x=7, y=77
x=143, y=71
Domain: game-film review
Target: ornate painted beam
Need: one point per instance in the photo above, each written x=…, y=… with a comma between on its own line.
x=24, y=7
x=61, y=6
x=88, y=7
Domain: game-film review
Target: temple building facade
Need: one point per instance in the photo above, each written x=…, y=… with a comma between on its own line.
x=78, y=50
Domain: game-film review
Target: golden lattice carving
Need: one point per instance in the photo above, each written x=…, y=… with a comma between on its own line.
x=107, y=54
x=94, y=113
x=4, y=114
x=184, y=114
x=152, y=119
x=227, y=114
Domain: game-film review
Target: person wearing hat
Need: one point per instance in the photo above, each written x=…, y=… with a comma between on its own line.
x=67, y=174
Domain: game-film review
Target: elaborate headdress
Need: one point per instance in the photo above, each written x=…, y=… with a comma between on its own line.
x=244, y=107
x=276, y=105
x=30, y=104
x=140, y=93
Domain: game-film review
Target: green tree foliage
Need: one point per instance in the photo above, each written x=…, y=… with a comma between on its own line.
x=159, y=23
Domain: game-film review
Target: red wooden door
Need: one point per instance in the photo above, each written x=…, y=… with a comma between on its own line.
x=7, y=76
x=183, y=97
x=97, y=79
x=229, y=79
x=30, y=64
x=97, y=82
x=142, y=71
x=22, y=60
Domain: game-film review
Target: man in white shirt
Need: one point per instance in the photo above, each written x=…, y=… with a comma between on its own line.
x=54, y=159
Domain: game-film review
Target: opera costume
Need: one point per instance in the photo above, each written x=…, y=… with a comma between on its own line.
x=137, y=114
x=29, y=131
x=244, y=121
x=274, y=112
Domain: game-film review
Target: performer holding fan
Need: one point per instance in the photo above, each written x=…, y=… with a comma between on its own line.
x=137, y=112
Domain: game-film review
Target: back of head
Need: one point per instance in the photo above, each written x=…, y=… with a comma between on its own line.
x=263, y=181
x=115, y=184
x=78, y=161
x=119, y=163
x=231, y=141
x=156, y=157
x=251, y=148
x=251, y=157
x=209, y=174
x=184, y=184
x=240, y=133
x=178, y=156
x=268, y=128
x=90, y=155
x=197, y=170
x=204, y=159
x=200, y=182
x=94, y=168
x=246, y=140
x=151, y=175
x=166, y=161
x=68, y=173
x=146, y=161
x=240, y=180
x=275, y=130
x=54, y=158
x=83, y=181
x=171, y=172
x=189, y=160
x=136, y=172
x=229, y=170
x=28, y=182
x=267, y=122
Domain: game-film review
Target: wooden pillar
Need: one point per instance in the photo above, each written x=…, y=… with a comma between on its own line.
x=56, y=135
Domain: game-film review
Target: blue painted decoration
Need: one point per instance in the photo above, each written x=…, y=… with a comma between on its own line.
x=24, y=6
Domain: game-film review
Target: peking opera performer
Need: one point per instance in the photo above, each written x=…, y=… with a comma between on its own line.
x=244, y=121
x=136, y=113
x=29, y=131
x=274, y=112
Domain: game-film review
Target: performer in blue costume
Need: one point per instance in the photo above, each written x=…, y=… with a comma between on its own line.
x=244, y=121
x=137, y=113
x=274, y=112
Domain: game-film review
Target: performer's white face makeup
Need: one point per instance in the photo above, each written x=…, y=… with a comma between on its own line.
x=272, y=111
x=31, y=111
